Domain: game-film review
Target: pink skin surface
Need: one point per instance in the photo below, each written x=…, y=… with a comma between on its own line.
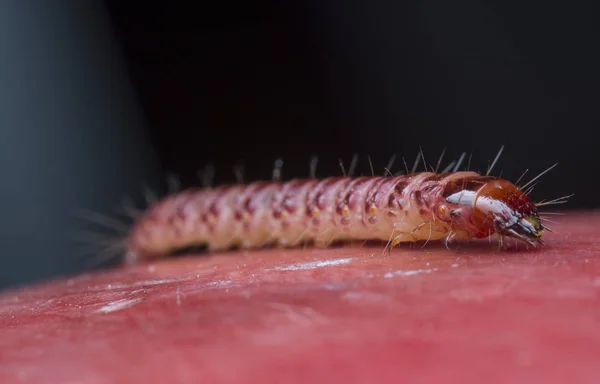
x=340, y=315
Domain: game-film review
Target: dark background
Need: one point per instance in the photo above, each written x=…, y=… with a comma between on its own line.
x=99, y=99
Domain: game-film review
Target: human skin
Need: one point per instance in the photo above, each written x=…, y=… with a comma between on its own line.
x=345, y=314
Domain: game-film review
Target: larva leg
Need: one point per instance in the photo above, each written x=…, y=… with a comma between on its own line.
x=449, y=239
x=418, y=228
x=501, y=242
x=432, y=231
x=454, y=235
x=402, y=238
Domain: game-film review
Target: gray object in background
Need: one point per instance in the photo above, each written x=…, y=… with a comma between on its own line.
x=71, y=132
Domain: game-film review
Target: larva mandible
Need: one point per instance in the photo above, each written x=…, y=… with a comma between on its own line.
x=418, y=206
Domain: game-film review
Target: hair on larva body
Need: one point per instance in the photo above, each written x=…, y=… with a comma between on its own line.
x=418, y=206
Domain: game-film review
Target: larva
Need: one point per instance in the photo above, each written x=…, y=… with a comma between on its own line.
x=418, y=206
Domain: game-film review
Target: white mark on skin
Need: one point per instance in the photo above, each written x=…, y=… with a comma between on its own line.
x=364, y=296
x=315, y=264
x=455, y=265
x=219, y=283
x=335, y=287
x=299, y=315
x=389, y=275
x=119, y=305
x=147, y=283
x=491, y=290
x=144, y=283
x=178, y=296
x=575, y=292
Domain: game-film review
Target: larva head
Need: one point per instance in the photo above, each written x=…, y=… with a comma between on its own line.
x=487, y=205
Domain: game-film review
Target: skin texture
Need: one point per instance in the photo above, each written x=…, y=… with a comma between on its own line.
x=421, y=206
x=340, y=315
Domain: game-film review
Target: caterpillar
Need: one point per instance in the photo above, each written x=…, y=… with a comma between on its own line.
x=451, y=206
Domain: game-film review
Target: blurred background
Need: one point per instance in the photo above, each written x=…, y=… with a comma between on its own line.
x=100, y=100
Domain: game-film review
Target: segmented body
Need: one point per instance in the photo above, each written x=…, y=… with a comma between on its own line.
x=420, y=206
